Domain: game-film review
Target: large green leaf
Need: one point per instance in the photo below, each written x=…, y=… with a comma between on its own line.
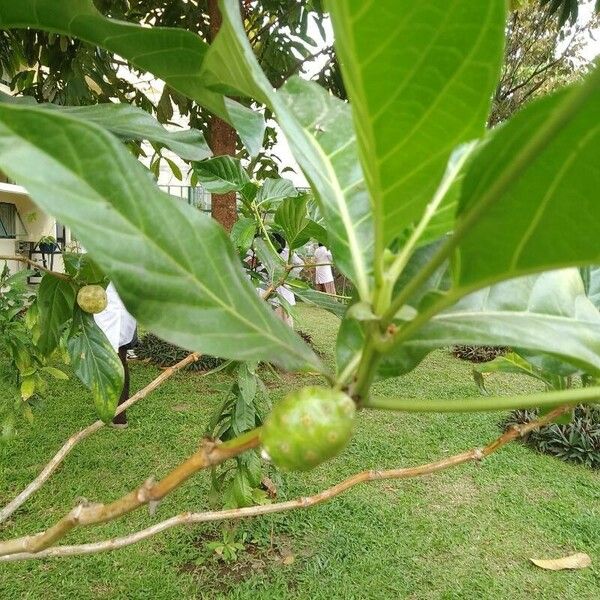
x=420, y=77
x=96, y=364
x=530, y=198
x=173, y=55
x=321, y=299
x=221, y=174
x=291, y=216
x=547, y=313
x=82, y=268
x=130, y=122
x=174, y=267
x=275, y=190
x=315, y=231
x=591, y=279
x=242, y=233
x=508, y=363
x=319, y=130
x=55, y=300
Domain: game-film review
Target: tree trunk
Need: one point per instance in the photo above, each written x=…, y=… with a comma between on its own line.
x=222, y=140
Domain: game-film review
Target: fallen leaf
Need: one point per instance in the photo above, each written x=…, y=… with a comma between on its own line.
x=574, y=561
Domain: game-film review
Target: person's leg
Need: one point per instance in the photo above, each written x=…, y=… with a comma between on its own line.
x=330, y=287
x=121, y=419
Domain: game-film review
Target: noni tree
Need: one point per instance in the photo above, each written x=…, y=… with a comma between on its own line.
x=445, y=229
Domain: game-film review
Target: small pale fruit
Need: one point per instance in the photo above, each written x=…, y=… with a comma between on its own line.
x=92, y=298
x=308, y=427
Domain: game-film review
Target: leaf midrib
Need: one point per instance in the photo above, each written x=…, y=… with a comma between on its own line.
x=100, y=198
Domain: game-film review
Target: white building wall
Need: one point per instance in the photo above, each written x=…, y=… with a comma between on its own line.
x=36, y=222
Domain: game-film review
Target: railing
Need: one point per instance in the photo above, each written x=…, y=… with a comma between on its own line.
x=195, y=196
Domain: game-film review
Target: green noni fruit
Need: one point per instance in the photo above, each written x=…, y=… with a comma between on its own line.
x=92, y=298
x=308, y=427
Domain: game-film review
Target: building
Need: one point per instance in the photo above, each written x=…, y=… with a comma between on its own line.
x=23, y=225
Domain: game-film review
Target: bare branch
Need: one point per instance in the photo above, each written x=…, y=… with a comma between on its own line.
x=57, y=459
x=476, y=454
x=209, y=454
x=35, y=265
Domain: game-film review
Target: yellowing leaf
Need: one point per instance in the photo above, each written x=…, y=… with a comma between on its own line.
x=27, y=388
x=574, y=561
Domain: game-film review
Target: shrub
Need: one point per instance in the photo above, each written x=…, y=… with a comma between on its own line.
x=164, y=354
x=478, y=354
x=577, y=441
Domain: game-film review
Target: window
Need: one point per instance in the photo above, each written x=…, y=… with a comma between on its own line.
x=8, y=220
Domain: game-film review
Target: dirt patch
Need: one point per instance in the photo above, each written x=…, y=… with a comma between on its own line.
x=255, y=559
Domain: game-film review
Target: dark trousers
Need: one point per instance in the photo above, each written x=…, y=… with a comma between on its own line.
x=121, y=419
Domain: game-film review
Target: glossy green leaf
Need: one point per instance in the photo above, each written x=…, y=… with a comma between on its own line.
x=173, y=266
x=292, y=218
x=273, y=263
x=221, y=174
x=275, y=190
x=247, y=381
x=173, y=55
x=547, y=313
x=315, y=231
x=420, y=77
x=319, y=129
x=446, y=198
x=96, y=364
x=529, y=201
x=591, y=279
x=132, y=123
x=55, y=300
x=321, y=299
x=83, y=268
x=56, y=373
x=242, y=233
x=27, y=388
x=509, y=363
x=244, y=411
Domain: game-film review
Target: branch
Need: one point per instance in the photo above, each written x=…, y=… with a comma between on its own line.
x=288, y=269
x=570, y=397
x=297, y=67
x=57, y=459
x=474, y=455
x=35, y=265
x=209, y=454
x=269, y=291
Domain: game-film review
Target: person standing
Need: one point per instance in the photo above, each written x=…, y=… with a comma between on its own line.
x=324, y=274
x=120, y=329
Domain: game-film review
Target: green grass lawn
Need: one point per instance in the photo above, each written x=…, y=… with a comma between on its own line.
x=464, y=533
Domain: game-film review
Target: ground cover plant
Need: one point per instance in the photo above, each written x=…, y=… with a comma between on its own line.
x=450, y=234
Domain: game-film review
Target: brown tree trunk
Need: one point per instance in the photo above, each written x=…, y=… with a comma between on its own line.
x=222, y=140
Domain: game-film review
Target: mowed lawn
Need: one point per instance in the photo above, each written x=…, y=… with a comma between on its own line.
x=466, y=533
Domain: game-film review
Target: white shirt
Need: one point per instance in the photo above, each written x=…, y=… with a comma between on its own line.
x=283, y=290
x=116, y=323
x=323, y=274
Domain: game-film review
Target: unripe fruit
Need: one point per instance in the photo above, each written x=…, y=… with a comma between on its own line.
x=308, y=427
x=92, y=298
